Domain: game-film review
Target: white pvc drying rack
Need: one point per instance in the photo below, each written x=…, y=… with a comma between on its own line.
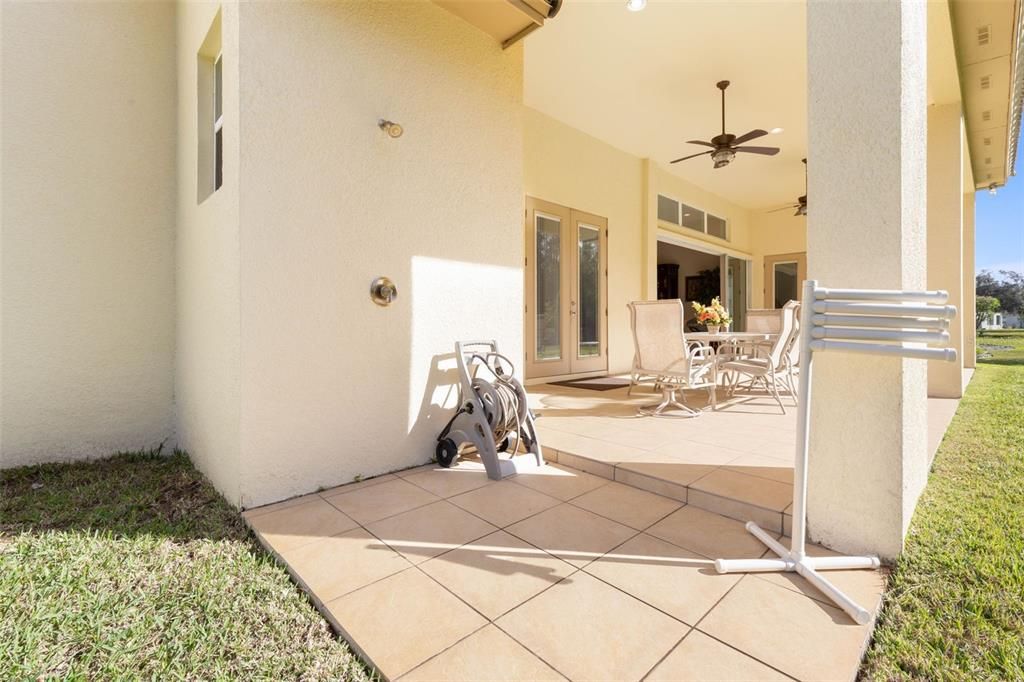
x=869, y=321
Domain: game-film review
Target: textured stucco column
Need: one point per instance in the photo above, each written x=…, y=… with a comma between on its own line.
x=867, y=111
x=970, y=334
x=945, y=236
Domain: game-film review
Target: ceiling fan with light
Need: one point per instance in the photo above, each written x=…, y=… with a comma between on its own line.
x=724, y=146
x=801, y=202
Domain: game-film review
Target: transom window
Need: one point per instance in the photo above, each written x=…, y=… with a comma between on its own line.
x=676, y=212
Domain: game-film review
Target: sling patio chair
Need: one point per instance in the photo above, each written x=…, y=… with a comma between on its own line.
x=770, y=363
x=661, y=351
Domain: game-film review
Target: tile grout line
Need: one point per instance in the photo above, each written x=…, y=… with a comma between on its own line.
x=658, y=520
x=667, y=654
x=504, y=613
x=708, y=634
x=512, y=637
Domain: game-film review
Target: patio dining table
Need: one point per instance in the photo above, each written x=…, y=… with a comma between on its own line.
x=718, y=338
x=707, y=338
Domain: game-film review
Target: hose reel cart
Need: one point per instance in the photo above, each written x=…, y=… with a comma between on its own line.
x=493, y=416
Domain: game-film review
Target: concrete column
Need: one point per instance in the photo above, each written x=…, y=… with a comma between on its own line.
x=970, y=335
x=867, y=133
x=945, y=236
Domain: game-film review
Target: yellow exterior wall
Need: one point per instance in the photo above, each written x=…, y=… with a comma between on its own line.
x=773, y=234
x=568, y=167
x=87, y=231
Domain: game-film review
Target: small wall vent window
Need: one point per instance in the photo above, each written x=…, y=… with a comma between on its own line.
x=691, y=217
x=716, y=226
x=668, y=210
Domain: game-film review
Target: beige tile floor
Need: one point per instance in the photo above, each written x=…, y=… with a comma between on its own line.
x=597, y=567
x=437, y=574
x=736, y=461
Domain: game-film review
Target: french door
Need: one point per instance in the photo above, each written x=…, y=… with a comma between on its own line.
x=783, y=275
x=566, y=290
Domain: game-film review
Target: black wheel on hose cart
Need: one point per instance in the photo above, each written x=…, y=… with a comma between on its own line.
x=503, y=445
x=446, y=452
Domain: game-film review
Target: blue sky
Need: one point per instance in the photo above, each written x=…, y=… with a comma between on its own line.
x=999, y=226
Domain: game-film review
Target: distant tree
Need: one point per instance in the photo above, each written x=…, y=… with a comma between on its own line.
x=1008, y=288
x=984, y=307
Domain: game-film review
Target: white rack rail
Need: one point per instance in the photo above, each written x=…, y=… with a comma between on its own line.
x=868, y=321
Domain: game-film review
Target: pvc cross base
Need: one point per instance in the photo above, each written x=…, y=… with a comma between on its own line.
x=805, y=566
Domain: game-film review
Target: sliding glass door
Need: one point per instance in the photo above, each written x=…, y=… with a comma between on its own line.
x=737, y=291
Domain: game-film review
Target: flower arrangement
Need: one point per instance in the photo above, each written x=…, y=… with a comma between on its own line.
x=713, y=314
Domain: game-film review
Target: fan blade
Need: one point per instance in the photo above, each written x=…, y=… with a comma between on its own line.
x=798, y=212
x=691, y=156
x=784, y=208
x=767, y=151
x=706, y=144
x=752, y=135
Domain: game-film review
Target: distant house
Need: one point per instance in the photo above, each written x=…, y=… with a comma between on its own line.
x=993, y=321
x=1003, y=321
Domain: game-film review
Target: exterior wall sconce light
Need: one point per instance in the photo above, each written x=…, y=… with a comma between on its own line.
x=390, y=127
x=992, y=189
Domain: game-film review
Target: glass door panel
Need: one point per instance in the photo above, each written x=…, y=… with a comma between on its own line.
x=548, y=286
x=548, y=299
x=737, y=289
x=588, y=257
x=589, y=300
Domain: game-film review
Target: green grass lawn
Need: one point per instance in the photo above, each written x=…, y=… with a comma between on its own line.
x=955, y=606
x=134, y=567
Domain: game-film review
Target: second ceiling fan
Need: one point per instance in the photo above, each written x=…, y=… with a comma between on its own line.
x=801, y=201
x=725, y=146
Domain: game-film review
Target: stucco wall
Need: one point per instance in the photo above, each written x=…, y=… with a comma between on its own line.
x=866, y=228
x=87, y=232
x=332, y=385
x=208, y=299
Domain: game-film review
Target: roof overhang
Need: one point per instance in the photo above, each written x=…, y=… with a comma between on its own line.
x=508, y=21
x=989, y=40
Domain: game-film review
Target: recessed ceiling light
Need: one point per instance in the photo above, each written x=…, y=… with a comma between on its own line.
x=635, y=5
x=776, y=131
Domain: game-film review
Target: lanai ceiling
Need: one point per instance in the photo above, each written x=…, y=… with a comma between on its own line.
x=644, y=82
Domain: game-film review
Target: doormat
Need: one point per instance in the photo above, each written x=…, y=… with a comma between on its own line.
x=594, y=383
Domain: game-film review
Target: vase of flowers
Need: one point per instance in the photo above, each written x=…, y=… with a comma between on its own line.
x=713, y=316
